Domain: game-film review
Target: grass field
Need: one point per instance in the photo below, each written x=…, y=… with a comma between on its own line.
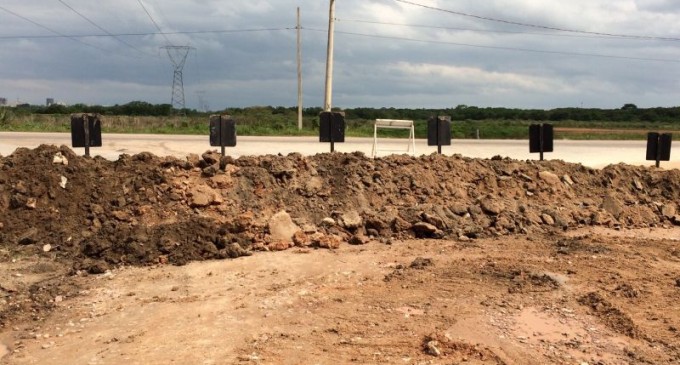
x=282, y=125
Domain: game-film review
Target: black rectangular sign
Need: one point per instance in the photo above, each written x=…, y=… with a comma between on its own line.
x=439, y=131
x=541, y=138
x=332, y=122
x=659, y=146
x=86, y=130
x=534, y=138
x=222, y=131
x=547, y=138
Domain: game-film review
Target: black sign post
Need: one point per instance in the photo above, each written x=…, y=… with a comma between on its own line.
x=332, y=128
x=659, y=147
x=540, y=138
x=222, y=132
x=86, y=131
x=439, y=132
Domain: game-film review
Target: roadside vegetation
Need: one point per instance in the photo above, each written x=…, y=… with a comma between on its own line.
x=628, y=122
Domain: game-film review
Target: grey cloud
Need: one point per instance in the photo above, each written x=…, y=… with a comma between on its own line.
x=256, y=68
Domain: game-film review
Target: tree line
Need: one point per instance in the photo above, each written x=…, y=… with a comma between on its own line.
x=627, y=113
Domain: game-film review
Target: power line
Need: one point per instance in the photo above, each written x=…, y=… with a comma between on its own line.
x=100, y=28
x=479, y=30
x=142, y=34
x=61, y=35
x=503, y=48
x=153, y=21
x=537, y=25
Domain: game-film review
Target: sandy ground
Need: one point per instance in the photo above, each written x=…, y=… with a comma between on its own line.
x=590, y=297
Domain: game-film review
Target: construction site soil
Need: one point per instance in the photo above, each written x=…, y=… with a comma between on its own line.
x=523, y=248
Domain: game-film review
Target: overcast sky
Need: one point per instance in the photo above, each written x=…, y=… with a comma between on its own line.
x=442, y=59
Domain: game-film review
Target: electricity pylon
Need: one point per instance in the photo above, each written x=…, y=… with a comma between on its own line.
x=178, y=57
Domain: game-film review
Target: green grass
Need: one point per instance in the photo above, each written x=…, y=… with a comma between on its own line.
x=268, y=124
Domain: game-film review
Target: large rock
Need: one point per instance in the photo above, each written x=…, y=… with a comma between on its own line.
x=612, y=205
x=669, y=210
x=331, y=242
x=426, y=230
x=203, y=196
x=459, y=208
x=212, y=158
x=491, y=206
x=549, y=178
x=282, y=228
x=351, y=219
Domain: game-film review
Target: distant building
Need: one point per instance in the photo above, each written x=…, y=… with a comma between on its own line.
x=49, y=101
x=3, y=101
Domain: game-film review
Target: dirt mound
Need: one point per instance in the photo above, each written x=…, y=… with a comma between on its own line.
x=143, y=209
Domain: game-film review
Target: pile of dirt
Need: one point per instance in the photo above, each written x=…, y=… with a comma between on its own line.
x=95, y=214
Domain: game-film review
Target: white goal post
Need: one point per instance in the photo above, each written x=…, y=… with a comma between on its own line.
x=394, y=124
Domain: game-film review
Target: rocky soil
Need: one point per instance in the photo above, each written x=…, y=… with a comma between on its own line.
x=82, y=216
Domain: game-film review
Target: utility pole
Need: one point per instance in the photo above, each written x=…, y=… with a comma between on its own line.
x=299, y=70
x=328, y=101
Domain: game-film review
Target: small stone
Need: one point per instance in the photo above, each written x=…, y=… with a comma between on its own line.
x=358, y=239
x=309, y=228
x=211, y=170
x=328, y=222
x=47, y=248
x=637, y=184
x=432, y=348
x=58, y=299
x=212, y=158
x=60, y=159
x=31, y=203
x=63, y=182
x=548, y=219
x=567, y=180
x=122, y=215
x=420, y=263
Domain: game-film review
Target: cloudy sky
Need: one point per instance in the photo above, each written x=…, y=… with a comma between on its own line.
x=389, y=53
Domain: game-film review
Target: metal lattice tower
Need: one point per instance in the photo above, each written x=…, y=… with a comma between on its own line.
x=178, y=57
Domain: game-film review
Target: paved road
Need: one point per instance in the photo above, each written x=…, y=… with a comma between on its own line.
x=590, y=153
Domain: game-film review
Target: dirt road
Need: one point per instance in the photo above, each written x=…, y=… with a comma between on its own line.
x=584, y=298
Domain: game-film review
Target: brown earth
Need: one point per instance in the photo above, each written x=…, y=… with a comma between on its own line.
x=451, y=260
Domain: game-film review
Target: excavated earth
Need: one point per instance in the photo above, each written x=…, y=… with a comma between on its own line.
x=75, y=217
